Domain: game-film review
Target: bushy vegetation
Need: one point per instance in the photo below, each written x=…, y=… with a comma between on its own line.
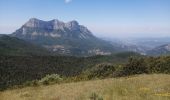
x=134, y=66
x=16, y=70
x=35, y=70
x=100, y=71
x=48, y=79
x=148, y=65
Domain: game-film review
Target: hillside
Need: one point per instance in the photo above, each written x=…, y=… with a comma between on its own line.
x=19, y=69
x=16, y=47
x=142, y=87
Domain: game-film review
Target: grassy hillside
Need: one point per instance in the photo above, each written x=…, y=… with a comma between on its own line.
x=142, y=87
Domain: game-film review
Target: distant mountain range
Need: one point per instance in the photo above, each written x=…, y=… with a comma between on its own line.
x=54, y=37
x=146, y=46
x=160, y=50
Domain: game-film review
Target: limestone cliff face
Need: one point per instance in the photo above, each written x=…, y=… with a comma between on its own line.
x=54, y=28
x=63, y=37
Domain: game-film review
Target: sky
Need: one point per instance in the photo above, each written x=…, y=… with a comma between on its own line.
x=108, y=18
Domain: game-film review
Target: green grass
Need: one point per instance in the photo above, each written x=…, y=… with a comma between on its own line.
x=140, y=87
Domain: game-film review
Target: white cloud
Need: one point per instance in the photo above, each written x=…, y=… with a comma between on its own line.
x=67, y=1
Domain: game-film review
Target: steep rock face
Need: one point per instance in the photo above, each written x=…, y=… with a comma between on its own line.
x=54, y=29
x=69, y=38
x=72, y=25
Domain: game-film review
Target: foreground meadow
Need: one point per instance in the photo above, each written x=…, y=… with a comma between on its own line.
x=140, y=87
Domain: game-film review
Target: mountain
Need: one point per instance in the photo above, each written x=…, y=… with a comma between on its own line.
x=14, y=46
x=64, y=38
x=160, y=50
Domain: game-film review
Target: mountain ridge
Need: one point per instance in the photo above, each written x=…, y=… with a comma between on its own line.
x=160, y=50
x=52, y=25
x=68, y=38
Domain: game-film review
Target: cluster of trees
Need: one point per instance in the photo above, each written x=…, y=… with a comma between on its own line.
x=148, y=65
x=15, y=70
x=135, y=65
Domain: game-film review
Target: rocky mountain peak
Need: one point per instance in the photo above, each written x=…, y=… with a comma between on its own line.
x=33, y=22
x=74, y=22
x=72, y=25
x=54, y=24
x=33, y=19
x=57, y=24
x=53, y=28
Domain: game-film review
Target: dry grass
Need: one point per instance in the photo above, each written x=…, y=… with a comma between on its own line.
x=142, y=87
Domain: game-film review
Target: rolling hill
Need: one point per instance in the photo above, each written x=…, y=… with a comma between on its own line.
x=16, y=47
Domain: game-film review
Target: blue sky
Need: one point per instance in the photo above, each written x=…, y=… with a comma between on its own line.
x=116, y=18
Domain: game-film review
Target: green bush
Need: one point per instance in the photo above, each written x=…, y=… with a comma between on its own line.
x=28, y=83
x=135, y=66
x=53, y=78
x=146, y=65
x=100, y=71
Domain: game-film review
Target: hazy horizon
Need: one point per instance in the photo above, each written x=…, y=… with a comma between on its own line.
x=105, y=18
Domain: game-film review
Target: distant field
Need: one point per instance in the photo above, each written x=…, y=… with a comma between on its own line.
x=141, y=87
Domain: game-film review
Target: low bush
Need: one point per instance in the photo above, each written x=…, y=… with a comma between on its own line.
x=95, y=96
x=100, y=71
x=48, y=79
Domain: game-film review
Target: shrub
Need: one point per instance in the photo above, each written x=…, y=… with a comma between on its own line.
x=95, y=96
x=158, y=64
x=53, y=78
x=28, y=83
x=101, y=71
x=35, y=83
x=135, y=66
